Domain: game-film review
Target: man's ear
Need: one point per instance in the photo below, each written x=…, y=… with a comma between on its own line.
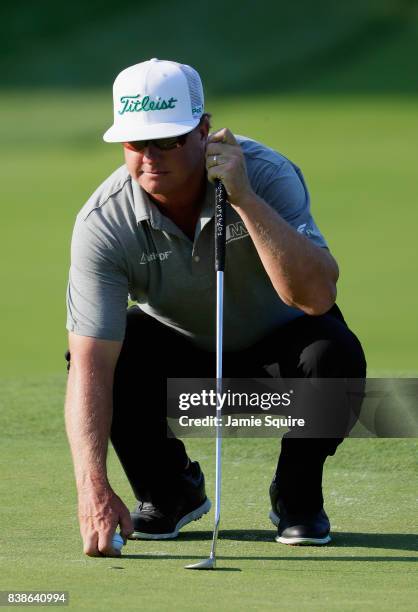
x=204, y=128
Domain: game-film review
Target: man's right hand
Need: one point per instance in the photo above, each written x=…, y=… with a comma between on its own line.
x=100, y=511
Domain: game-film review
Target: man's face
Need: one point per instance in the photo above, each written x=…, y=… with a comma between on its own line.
x=169, y=172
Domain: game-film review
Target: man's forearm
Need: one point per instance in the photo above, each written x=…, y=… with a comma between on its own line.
x=88, y=417
x=303, y=274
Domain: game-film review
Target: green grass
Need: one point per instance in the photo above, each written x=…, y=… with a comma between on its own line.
x=361, y=45
x=358, y=155
x=369, y=566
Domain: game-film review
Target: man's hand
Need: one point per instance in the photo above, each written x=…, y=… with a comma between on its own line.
x=100, y=511
x=225, y=161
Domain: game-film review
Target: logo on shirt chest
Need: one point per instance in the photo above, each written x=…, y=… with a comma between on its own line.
x=150, y=257
x=236, y=231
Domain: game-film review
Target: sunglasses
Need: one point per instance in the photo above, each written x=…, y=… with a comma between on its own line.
x=163, y=144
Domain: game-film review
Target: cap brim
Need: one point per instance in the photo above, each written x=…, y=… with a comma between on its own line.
x=149, y=132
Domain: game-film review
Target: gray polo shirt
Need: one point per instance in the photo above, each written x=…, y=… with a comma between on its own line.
x=123, y=246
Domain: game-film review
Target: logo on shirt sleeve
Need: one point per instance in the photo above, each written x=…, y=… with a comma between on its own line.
x=306, y=229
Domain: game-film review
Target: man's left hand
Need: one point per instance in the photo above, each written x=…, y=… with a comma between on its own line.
x=225, y=161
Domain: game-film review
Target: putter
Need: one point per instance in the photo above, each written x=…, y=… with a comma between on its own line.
x=220, y=235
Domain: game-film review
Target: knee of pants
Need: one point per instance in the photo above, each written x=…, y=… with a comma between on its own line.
x=340, y=357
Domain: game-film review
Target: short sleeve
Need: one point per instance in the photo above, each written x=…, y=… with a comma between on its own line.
x=283, y=187
x=97, y=291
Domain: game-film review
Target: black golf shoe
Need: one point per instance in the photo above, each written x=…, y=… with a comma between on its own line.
x=309, y=527
x=161, y=518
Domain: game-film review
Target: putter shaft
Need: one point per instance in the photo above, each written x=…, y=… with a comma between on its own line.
x=220, y=236
x=218, y=471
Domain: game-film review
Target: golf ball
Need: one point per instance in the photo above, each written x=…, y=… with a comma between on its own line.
x=117, y=541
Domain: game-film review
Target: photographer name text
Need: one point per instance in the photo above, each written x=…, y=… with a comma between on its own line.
x=251, y=421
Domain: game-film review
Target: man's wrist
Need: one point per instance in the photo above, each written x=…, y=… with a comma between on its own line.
x=245, y=202
x=92, y=480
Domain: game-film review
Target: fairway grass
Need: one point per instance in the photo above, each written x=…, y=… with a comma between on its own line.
x=369, y=488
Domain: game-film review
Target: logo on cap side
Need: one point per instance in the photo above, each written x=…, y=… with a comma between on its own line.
x=197, y=110
x=134, y=104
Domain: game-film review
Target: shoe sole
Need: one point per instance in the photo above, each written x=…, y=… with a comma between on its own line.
x=303, y=541
x=297, y=541
x=195, y=515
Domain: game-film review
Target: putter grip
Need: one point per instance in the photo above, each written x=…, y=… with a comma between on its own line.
x=220, y=225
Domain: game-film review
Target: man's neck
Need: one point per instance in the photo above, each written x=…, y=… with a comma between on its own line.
x=184, y=200
x=183, y=208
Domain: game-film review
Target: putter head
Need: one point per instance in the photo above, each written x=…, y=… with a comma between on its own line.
x=207, y=564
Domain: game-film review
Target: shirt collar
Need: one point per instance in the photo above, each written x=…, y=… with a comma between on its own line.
x=208, y=208
x=145, y=209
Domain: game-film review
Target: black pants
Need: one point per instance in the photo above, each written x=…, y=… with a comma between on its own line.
x=316, y=347
x=320, y=347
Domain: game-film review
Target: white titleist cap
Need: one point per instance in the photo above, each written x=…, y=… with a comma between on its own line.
x=155, y=99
